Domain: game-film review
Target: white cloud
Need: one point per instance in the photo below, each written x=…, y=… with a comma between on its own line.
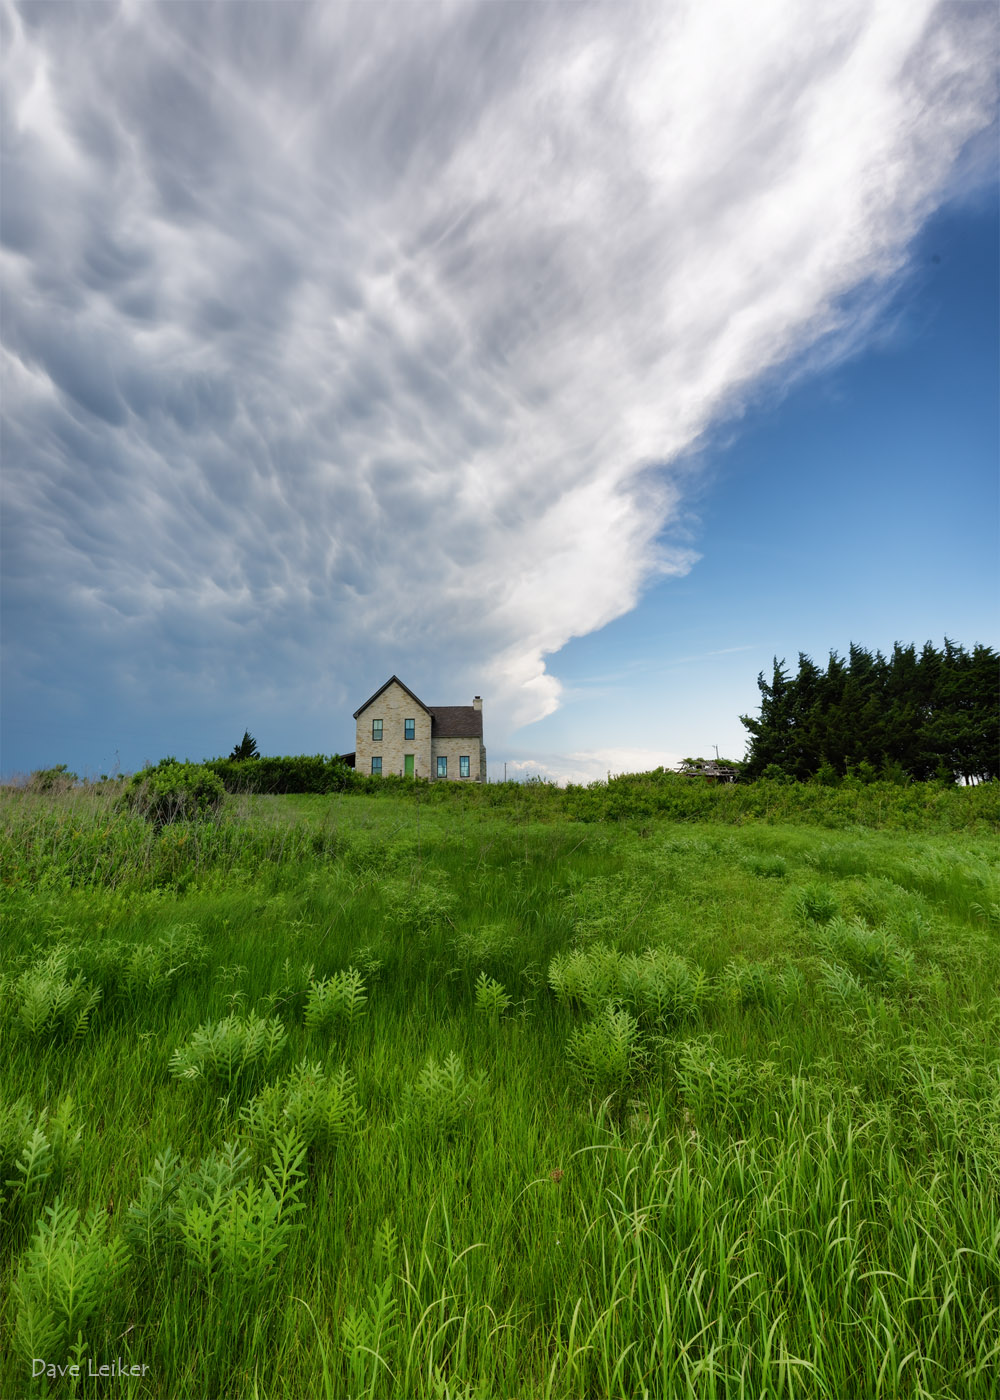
x=352, y=340
x=585, y=765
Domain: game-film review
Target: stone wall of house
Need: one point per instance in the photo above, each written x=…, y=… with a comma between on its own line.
x=392, y=707
x=453, y=749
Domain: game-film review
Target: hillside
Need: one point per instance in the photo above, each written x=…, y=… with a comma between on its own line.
x=372, y=1096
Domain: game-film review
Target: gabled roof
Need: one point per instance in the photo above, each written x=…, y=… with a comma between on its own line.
x=456, y=722
x=447, y=721
x=393, y=680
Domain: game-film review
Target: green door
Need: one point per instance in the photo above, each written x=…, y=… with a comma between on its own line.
x=408, y=765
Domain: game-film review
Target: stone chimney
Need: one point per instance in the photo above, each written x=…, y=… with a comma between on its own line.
x=477, y=702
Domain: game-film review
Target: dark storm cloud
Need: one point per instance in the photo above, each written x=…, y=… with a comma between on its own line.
x=342, y=339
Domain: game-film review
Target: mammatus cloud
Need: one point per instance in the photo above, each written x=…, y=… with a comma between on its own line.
x=349, y=340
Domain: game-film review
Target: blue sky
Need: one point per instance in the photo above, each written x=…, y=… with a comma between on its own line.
x=862, y=505
x=583, y=357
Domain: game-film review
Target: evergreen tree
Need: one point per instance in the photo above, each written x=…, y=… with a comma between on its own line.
x=932, y=715
x=771, y=743
x=246, y=748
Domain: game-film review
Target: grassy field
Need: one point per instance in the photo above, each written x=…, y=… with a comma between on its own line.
x=512, y=1095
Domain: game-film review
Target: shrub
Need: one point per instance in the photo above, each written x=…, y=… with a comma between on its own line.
x=756, y=984
x=660, y=987
x=152, y=1223
x=237, y=1238
x=319, y=1108
x=173, y=792
x=46, y=1001
x=608, y=1053
x=301, y=773
x=586, y=977
x=491, y=997
x=816, y=904
x=228, y=1049
x=715, y=1088
x=35, y=1152
x=230, y=1228
x=419, y=909
x=444, y=1098
x=66, y=1279
x=341, y=997
x=492, y=944
x=838, y=987
x=873, y=955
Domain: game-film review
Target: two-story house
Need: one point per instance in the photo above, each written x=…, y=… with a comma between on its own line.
x=398, y=733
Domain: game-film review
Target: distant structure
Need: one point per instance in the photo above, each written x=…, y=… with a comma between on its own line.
x=712, y=770
x=398, y=733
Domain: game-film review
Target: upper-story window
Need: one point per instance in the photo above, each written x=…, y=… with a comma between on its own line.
x=409, y=728
x=376, y=729
x=463, y=766
x=442, y=766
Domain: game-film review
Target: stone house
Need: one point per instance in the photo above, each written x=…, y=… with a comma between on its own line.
x=398, y=733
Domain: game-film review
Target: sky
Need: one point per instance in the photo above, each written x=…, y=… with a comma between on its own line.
x=584, y=357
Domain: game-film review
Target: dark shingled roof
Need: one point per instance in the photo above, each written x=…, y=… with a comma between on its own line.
x=456, y=721
x=447, y=721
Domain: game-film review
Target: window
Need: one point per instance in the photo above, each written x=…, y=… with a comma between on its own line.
x=377, y=767
x=442, y=767
x=409, y=728
x=376, y=729
x=463, y=766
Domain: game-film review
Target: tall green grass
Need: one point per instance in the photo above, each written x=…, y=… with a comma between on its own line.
x=374, y=1097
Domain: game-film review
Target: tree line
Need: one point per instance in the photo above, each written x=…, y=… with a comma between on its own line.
x=924, y=715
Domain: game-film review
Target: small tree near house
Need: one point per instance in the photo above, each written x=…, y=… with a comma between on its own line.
x=246, y=748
